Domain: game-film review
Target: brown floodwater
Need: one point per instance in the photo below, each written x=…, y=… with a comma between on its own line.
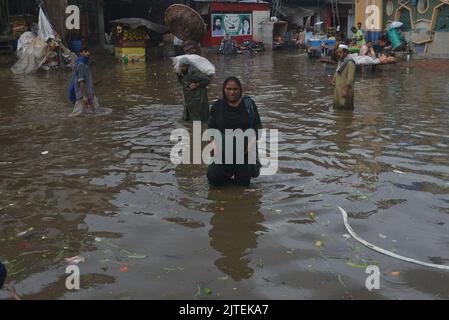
x=148, y=229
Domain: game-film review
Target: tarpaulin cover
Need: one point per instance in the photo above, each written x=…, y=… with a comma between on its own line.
x=135, y=23
x=34, y=54
x=45, y=29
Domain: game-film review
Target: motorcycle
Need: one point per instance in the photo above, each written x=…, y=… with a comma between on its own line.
x=254, y=46
x=248, y=46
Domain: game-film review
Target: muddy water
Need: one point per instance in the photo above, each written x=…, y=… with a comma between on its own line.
x=106, y=189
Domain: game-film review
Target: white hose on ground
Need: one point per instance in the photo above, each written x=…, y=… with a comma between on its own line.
x=383, y=251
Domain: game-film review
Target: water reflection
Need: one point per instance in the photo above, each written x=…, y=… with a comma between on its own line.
x=343, y=128
x=236, y=225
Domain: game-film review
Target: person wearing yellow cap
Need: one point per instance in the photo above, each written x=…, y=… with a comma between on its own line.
x=344, y=79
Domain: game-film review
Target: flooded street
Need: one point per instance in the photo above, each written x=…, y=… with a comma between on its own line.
x=148, y=229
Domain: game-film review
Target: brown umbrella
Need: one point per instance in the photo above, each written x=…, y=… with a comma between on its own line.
x=185, y=23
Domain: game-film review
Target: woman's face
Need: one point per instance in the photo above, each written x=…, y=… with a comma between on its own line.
x=245, y=24
x=232, y=92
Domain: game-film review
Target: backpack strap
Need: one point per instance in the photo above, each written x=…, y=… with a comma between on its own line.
x=250, y=109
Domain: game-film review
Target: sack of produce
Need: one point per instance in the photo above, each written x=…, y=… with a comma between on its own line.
x=202, y=64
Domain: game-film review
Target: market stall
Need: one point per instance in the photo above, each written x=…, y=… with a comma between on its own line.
x=130, y=37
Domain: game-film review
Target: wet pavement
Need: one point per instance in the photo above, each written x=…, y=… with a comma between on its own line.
x=148, y=229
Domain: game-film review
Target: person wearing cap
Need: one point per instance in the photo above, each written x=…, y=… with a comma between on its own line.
x=344, y=79
x=194, y=86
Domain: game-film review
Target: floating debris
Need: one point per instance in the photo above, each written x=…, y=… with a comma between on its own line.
x=137, y=256
x=383, y=251
x=207, y=291
x=21, y=234
x=124, y=269
x=259, y=263
x=75, y=260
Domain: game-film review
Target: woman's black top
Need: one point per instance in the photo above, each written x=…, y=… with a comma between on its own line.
x=222, y=116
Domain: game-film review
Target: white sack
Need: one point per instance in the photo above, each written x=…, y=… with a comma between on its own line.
x=202, y=64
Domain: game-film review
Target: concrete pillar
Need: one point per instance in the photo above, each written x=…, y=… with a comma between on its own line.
x=100, y=12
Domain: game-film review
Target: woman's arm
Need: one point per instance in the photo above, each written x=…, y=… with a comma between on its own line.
x=257, y=125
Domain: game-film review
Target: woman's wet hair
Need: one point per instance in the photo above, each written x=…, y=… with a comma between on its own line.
x=232, y=79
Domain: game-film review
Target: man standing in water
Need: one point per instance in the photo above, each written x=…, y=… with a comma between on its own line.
x=194, y=86
x=82, y=87
x=344, y=79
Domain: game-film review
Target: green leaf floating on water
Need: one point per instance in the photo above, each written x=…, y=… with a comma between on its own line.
x=207, y=290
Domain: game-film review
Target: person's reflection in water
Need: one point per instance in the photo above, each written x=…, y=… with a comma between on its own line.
x=236, y=225
x=343, y=127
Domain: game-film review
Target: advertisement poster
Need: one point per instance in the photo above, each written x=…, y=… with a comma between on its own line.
x=231, y=24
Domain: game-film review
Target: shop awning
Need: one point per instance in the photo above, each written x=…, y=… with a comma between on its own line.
x=135, y=23
x=295, y=13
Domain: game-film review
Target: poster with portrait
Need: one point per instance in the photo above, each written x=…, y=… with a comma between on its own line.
x=231, y=24
x=246, y=27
